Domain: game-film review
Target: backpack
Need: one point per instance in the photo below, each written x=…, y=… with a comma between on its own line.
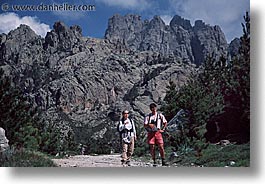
x=124, y=130
x=148, y=129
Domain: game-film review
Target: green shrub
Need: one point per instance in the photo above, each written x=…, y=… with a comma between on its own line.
x=216, y=156
x=27, y=159
x=230, y=155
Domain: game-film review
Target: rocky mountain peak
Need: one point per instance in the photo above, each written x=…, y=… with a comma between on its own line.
x=133, y=17
x=189, y=44
x=77, y=30
x=64, y=31
x=157, y=22
x=63, y=38
x=179, y=21
x=126, y=18
x=22, y=33
x=234, y=47
x=199, y=24
x=129, y=26
x=60, y=27
x=16, y=44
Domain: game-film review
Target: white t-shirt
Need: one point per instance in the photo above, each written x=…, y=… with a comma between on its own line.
x=160, y=121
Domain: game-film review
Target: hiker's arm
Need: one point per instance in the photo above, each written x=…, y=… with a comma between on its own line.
x=146, y=124
x=164, y=123
x=134, y=130
x=121, y=126
x=164, y=127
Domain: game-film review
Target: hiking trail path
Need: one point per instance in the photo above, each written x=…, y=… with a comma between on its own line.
x=113, y=160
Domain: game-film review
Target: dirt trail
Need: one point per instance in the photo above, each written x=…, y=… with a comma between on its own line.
x=96, y=161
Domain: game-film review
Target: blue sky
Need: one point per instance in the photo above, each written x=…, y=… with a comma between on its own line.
x=228, y=14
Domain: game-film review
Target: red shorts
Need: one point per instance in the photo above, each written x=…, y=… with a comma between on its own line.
x=155, y=138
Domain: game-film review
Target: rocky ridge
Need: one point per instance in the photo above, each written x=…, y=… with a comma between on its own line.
x=179, y=38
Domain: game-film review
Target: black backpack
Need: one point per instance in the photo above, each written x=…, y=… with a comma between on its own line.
x=124, y=130
x=148, y=129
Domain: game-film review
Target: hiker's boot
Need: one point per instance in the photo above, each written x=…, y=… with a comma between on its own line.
x=164, y=163
x=122, y=162
x=128, y=162
x=155, y=164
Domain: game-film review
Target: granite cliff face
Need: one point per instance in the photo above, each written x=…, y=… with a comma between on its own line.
x=82, y=84
x=233, y=48
x=179, y=38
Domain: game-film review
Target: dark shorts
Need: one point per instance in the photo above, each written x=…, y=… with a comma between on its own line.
x=155, y=138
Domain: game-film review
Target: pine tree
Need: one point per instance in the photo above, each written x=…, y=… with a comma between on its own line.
x=17, y=116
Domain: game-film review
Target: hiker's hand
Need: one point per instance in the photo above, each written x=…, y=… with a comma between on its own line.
x=135, y=138
x=161, y=131
x=151, y=125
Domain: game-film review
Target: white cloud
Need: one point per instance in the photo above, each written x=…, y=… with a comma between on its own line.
x=212, y=10
x=226, y=13
x=10, y=21
x=128, y=4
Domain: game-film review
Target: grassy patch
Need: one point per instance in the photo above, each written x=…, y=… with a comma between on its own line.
x=27, y=159
x=216, y=156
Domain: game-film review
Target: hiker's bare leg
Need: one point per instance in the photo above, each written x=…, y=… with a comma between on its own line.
x=162, y=153
x=152, y=151
x=161, y=150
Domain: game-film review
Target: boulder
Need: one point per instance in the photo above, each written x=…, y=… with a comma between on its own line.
x=3, y=141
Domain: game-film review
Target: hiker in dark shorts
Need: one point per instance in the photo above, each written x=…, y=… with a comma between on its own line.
x=155, y=124
x=128, y=135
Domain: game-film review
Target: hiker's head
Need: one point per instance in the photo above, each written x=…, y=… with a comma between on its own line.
x=153, y=107
x=125, y=114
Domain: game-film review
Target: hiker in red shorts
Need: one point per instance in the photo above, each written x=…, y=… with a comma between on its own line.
x=155, y=123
